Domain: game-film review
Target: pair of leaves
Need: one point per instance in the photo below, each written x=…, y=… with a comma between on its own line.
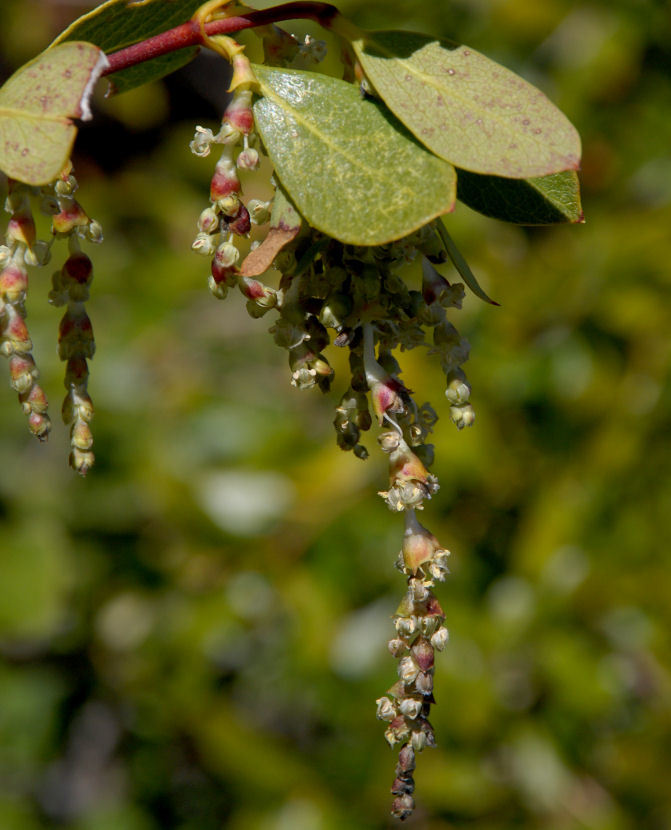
x=352, y=169
x=355, y=173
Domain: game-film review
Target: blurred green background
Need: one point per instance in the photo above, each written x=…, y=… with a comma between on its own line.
x=193, y=638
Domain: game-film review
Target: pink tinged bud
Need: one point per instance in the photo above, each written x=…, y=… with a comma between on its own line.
x=248, y=159
x=22, y=372
x=241, y=223
x=385, y=397
x=226, y=255
x=16, y=332
x=34, y=400
x=208, y=221
x=402, y=807
x=81, y=437
x=259, y=293
x=239, y=112
x=203, y=244
x=71, y=217
x=223, y=275
x=405, y=466
x=13, y=283
x=385, y=709
x=21, y=228
x=419, y=545
x=406, y=760
x=225, y=179
x=422, y=653
x=39, y=425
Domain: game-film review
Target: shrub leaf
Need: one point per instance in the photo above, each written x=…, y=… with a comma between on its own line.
x=351, y=169
x=466, y=108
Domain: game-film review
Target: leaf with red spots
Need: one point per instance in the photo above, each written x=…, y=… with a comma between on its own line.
x=36, y=107
x=466, y=108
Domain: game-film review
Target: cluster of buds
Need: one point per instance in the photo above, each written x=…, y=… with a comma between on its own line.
x=75, y=346
x=21, y=249
x=227, y=217
x=420, y=630
x=355, y=297
x=70, y=288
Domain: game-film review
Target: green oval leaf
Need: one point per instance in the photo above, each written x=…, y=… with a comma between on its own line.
x=351, y=169
x=120, y=23
x=546, y=200
x=36, y=105
x=466, y=108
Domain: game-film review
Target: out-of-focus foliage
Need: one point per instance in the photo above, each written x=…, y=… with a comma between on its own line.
x=193, y=637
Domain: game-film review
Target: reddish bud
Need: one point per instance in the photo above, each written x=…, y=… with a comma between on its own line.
x=13, y=283
x=225, y=179
x=241, y=223
x=72, y=216
x=422, y=653
x=21, y=228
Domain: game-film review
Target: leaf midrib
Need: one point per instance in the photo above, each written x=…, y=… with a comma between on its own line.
x=11, y=112
x=323, y=137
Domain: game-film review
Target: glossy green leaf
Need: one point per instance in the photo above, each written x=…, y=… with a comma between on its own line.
x=285, y=224
x=546, y=200
x=120, y=23
x=36, y=105
x=466, y=108
x=351, y=169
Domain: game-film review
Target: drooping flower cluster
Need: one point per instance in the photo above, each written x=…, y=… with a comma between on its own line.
x=356, y=298
x=70, y=287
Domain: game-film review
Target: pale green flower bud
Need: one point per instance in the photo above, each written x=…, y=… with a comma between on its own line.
x=410, y=707
x=407, y=670
x=462, y=416
x=385, y=709
x=439, y=638
x=458, y=390
x=203, y=244
x=208, y=221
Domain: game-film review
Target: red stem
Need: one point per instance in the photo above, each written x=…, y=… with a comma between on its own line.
x=189, y=34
